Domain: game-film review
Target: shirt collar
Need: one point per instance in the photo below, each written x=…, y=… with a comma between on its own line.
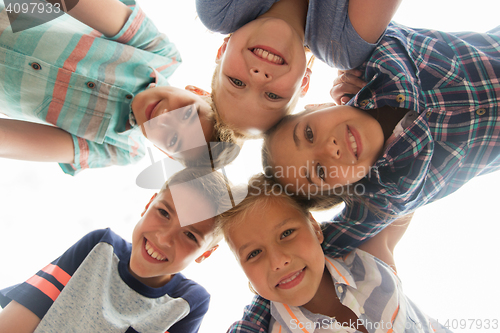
x=339, y=271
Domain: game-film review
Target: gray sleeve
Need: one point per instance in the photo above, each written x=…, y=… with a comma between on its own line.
x=331, y=36
x=226, y=16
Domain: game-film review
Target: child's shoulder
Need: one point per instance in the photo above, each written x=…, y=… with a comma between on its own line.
x=184, y=287
x=193, y=293
x=226, y=16
x=99, y=236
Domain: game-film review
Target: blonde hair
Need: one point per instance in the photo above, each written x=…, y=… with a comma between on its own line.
x=260, y=191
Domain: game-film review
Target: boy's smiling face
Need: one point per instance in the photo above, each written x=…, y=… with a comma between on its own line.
x=161, y=246
x=326, y=148
x=262, y=66
x=280, y=251
x=173, y=119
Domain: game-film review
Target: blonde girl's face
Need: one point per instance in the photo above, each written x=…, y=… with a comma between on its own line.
x=325, y=149
x=280, y=252
x=262, y=69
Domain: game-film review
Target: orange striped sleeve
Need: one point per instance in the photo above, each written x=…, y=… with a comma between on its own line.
x=44, y=286
x=58, y=273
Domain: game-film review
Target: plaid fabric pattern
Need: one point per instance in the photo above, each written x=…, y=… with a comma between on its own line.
x=452, y=81
x=65, y=74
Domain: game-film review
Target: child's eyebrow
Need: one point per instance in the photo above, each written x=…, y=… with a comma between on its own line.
x=276, y=227
x=170, y=208
x=196, y=231
x=295, y=137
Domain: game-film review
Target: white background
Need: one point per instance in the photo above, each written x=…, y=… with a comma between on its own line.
x=448, y=259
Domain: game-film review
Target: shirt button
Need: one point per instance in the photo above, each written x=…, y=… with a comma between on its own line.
x=91, y=85
x=129, y=97
x=340, y=289
x=361, y=310
x=364, y=102
x=36, y=66
x=480, y=112
x=428, y=114
x=400, y=98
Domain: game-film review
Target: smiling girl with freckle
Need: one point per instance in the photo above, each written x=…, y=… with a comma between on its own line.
x=301, y=285
x=261, y=68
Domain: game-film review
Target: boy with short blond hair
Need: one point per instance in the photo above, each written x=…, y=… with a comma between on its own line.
x=106, y=284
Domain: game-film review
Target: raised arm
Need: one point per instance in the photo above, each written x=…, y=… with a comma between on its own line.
x=371, y=17
x=105, y=16
x=17, y=318
x=23, y=140
x=382, y=244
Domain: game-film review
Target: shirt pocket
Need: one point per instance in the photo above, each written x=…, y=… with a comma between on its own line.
x=437, y=63
x=78, y=104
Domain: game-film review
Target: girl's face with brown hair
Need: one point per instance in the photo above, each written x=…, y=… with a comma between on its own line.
x=326, y=148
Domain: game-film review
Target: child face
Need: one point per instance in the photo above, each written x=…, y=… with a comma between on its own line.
x=187, y=126
x=261, y=70
x=279, y=250
x=161, y=246
x=326, y=148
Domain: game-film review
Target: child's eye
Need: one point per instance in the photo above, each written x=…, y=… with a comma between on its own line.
x=191, y=236
x=253, y=254
x=308, y=133
x=188, y=113
x=273, y=96
x=173, y=141
x=286, y=233
x=320, y=171
x=237, y=82
x=164, y=213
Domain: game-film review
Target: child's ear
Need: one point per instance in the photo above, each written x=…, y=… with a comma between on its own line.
x=221, y=50
x=197, y=91
x=206, y=254
x=317, y=228
x=149, y=203
x=304, y=87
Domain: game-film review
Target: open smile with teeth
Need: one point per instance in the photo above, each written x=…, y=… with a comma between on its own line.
x=353, y=143
x=266, y=55
x=291, y=278
x=153, y=254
